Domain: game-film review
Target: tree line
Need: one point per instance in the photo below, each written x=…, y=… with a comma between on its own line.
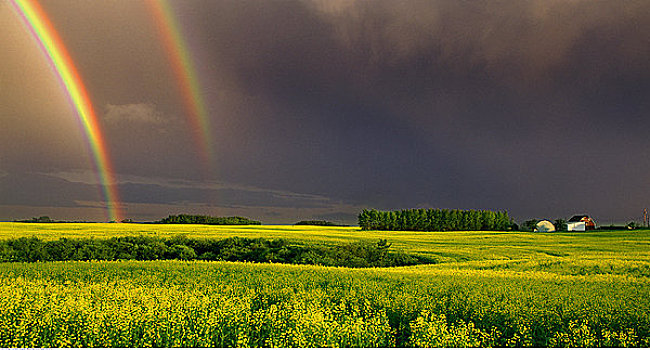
x=435, y=220
x=47, y=220
x=356, y=254
x=208, y=220
x=318, y=223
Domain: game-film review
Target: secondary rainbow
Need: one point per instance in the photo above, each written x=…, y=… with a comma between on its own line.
x=185, y=73
x=36, y=20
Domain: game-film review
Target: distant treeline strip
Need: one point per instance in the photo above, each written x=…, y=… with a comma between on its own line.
x=47, y=220
x=318, y=223
x=435, y=220
x=208, y=220
x=357, y=254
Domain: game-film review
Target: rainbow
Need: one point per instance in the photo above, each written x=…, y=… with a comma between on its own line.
x=41, y=28
x=185, y=73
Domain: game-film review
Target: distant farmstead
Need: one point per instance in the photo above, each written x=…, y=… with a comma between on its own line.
x=580, y=223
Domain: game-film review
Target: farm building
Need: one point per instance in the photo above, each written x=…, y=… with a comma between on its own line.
x=580, y=223
x=544, y=226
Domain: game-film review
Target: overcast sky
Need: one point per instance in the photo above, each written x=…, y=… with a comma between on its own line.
x=320, y=108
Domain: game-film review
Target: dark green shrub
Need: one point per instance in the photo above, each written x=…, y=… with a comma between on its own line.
x=356, y=254
x=182, y=252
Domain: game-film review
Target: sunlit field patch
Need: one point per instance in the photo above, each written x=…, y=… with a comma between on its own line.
x=444, y=246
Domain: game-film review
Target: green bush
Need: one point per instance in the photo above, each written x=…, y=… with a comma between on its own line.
x=357, y=254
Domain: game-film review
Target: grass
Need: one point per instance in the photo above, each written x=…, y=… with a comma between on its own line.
x=487, y=289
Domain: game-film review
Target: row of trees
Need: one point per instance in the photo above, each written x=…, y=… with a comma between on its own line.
x=208, y=220
x=317, y=223
x=40, y=220
x=435, y=220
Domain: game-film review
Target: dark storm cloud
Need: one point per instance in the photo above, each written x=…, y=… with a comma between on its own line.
x=538, y=107
x=479, y=104
x=39, y=190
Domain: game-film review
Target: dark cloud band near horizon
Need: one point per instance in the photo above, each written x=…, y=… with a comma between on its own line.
x=538, y=107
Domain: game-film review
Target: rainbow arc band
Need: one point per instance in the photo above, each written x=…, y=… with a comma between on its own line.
x=181, y=62
x=36, y=20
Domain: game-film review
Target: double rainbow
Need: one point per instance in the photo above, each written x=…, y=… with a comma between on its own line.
x=41, y=28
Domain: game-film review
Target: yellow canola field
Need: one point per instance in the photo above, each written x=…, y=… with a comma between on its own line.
x=222, y=304
x=488, y=289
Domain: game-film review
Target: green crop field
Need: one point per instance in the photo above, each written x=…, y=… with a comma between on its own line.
x=486, y=289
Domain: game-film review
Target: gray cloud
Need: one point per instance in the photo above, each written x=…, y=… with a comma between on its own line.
x=226, y=197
